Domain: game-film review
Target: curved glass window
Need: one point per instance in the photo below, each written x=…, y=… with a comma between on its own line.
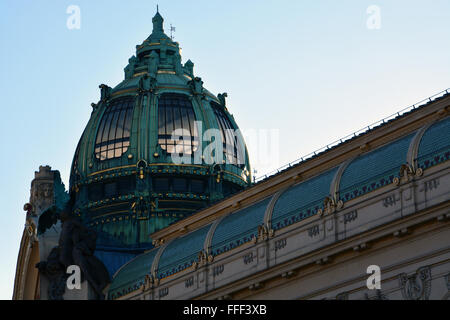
x=232, y=147
x=175, y=112
x=113, y=135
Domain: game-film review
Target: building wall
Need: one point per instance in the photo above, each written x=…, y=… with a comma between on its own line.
x=403, y=228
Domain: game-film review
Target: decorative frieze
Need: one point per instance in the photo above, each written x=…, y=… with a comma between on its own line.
x=429, y=185
x=280, y=244
x=163, y=292
x=248, y=258
x=189, y=282
x=217, y=270
x=390, y=200
x=350, y=216
x=313, y=231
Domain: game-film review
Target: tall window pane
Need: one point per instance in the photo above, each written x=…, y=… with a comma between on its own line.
x=232, y=147
x=113, y=136
x=175, y=112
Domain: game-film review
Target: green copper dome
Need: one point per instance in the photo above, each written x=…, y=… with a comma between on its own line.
x=132, y=173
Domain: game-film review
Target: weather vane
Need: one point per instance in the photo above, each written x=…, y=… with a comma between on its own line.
x=172, y=29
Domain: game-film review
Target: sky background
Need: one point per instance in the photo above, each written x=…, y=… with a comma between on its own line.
x=311, y=69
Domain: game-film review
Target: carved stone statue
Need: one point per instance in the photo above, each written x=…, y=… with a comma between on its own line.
x=105, y=92
x=196, y=85
x=221, y=97
x=76, y=247
x=56, y=274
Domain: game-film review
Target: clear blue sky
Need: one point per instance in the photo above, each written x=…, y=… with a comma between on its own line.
x=311, y=69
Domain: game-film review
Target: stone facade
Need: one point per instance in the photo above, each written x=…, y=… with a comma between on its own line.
x=402, y=229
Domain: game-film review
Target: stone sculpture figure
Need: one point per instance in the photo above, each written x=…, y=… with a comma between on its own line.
x=55, y=273
x=105, y=92
x=221, y=97
x=196, y=85
x=76, y=246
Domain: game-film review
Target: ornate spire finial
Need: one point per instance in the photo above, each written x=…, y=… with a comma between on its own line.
x=157, y=21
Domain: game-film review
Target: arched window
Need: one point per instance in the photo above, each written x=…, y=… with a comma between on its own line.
x=113, y=135
x=175, y=112
x=232, y=147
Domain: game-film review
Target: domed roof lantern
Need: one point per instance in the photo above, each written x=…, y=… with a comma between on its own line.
x=157, y=37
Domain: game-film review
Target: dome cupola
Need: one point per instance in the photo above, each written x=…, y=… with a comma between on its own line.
x=157, y=148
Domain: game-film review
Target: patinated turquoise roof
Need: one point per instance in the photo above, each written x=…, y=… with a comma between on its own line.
x=434, y=146
x=374, y=169
x=302, y=200
x=132, y=275
x=181, y=253
x=113, y=260
x=238, y=228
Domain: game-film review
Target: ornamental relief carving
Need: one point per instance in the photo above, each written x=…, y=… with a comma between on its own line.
x=280, y=244
x=416, y=286
x=430, y=185
x=263, y=234
x=407, y=174
x=217, y=270
x=330, y=206
x=313, y=231
x=189, y=282
x=248, y=258
x=350, y=216
x=149, y=282
x=42, y=195
x=202, y=259
x=163, y=292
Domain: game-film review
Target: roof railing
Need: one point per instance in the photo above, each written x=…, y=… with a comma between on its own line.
x=352, y=135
